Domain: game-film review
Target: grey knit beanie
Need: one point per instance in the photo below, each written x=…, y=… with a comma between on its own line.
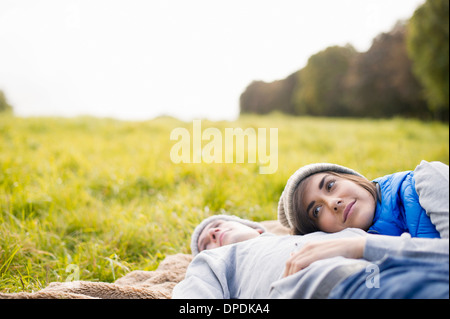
x=286, y=202
x=198, y=230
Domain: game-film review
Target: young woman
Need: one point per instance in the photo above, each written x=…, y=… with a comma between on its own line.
x=330, y=198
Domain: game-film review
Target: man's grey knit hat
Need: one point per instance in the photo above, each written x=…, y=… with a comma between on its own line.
x=198, y=230
x=286, y=202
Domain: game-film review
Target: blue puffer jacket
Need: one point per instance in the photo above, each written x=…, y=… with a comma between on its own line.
x=399, y=210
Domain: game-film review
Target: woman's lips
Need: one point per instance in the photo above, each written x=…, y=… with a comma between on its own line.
x=348, y=210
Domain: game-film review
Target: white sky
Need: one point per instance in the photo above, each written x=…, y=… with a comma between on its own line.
x=138, y=59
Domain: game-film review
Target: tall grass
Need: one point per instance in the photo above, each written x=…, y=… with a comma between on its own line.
x=103, y=195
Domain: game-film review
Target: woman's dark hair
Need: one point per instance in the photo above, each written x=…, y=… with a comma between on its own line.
x=303, y=224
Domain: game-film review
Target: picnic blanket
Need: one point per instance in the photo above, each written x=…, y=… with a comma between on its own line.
x=138, y=284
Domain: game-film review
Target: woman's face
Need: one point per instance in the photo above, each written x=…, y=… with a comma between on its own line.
x=335, y=203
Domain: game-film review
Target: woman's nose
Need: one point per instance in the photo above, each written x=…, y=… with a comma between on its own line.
x=335, y=204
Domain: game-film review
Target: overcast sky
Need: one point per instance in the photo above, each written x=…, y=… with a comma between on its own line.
x=138, y=59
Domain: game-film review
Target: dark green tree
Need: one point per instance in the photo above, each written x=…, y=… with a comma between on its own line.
x=428, y=48
x=320, y=87
x=262, y=97
x=380, y=82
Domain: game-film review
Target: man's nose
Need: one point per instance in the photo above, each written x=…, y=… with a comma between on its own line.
x=213, y=234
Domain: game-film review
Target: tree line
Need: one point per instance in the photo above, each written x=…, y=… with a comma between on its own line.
x=404, y=73
x=4, y=105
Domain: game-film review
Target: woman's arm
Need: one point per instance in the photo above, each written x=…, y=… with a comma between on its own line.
x=313, y=251
x=378, y=246
x=370, y=248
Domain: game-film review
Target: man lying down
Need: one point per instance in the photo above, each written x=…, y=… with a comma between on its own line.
x=237, y=258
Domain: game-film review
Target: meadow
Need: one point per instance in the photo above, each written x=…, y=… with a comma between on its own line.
x=94, y=198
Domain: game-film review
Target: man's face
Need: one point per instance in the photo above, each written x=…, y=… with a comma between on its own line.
x=222, y=232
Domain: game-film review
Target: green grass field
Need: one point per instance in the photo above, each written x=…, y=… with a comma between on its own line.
x=103, y=197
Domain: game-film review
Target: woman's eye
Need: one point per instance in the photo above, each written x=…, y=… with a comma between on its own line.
x=316, y=211
x=330, y=185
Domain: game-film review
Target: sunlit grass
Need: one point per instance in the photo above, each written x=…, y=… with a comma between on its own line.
x=104, y=195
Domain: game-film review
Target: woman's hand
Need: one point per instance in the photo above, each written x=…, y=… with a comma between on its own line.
x=313, y=251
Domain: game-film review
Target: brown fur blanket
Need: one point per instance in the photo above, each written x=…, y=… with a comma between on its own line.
x=138, y=284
